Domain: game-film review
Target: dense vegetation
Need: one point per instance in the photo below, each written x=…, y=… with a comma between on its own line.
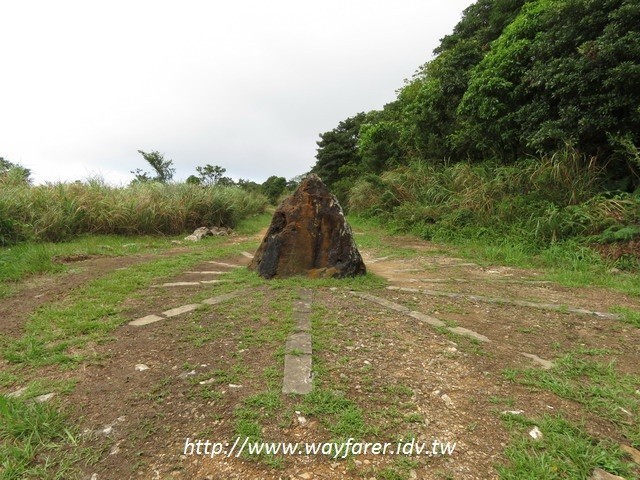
x=527, y=121
x=60, y=211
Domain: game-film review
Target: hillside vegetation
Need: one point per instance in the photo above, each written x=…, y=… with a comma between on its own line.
x=525, y=125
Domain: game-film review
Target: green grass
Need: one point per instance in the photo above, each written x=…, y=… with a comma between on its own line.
x=56, y=212
x=630, y=316
x=596, y=385
x=37, y=441
x=339, y=415
x=564, y=451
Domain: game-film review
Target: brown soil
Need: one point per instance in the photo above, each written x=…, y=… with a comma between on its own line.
x=407, y=376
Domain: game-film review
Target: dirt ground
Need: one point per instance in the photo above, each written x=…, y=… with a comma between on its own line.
x=152, y=387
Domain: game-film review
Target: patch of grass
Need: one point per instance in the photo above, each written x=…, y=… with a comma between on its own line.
x=564, y=451
x=94, y=310
x=630, y=316
x=339, y=415
x=36, y=441
x=596, y=385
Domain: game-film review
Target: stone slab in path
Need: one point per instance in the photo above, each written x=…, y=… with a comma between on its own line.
x=146, y=320
x=180, y=310
x=297, y=360
x=420, y=316
x=507, y=301
x=297, y=374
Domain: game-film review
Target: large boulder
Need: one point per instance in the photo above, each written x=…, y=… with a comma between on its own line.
x=309, y=236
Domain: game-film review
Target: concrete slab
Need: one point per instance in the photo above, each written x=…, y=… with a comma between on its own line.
x=206, y=272
x=546, y=364
x=297, y=374
x=469, y=333
x=179, y=284
x=381, y=301
x=146, y=320
x=300, y=343
x=180, y=310
x=223, y=298
x=302, y=321
x=427, y=319
x=222, y=264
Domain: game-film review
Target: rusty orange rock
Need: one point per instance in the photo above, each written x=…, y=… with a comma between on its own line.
x=310, y=236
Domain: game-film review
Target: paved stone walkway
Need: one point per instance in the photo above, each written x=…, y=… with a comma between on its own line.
x=297, y=360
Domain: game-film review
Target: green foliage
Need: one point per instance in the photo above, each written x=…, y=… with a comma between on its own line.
x=60, y=211
x=35, y=441
x=212, y=175
x=562, y=71
x=564, y=451
x=163, y=168
x=13, y=173
x=514, y=79
x=338, y=148
x=538, y=201
x=273, y=187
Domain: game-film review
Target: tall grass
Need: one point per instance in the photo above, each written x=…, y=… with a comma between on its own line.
x=539, y=201
x=55, y=212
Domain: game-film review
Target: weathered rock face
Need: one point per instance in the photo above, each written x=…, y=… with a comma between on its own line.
x=309, y=236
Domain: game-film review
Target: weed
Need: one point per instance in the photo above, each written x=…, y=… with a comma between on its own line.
x=564, y=451
x=37, y=441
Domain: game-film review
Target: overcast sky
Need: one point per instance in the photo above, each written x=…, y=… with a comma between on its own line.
x=248, y=85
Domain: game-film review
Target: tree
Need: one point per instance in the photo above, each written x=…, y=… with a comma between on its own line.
x=564, y=71
x=273, y=187
x=14, y=171
x=213, y=175
x=337, y=148
x=163, y=168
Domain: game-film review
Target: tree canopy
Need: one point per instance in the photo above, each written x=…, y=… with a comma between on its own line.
x=514, y=79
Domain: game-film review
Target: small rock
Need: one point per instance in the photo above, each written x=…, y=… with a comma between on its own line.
x=305, y=476
x=187, y=374
x=447, y=400
x=208, y=382
x=302, y=420
x=599, y=474
x=512, y=412
x=535, y=433
x=17, y=393
x=46, y=397
x=231, y=385
x=413, y=474
x=141, y=367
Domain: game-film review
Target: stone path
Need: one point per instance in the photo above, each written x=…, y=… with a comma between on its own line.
x=184, y=309
x=297, y=360
x=506, y=301
x=435, y=322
